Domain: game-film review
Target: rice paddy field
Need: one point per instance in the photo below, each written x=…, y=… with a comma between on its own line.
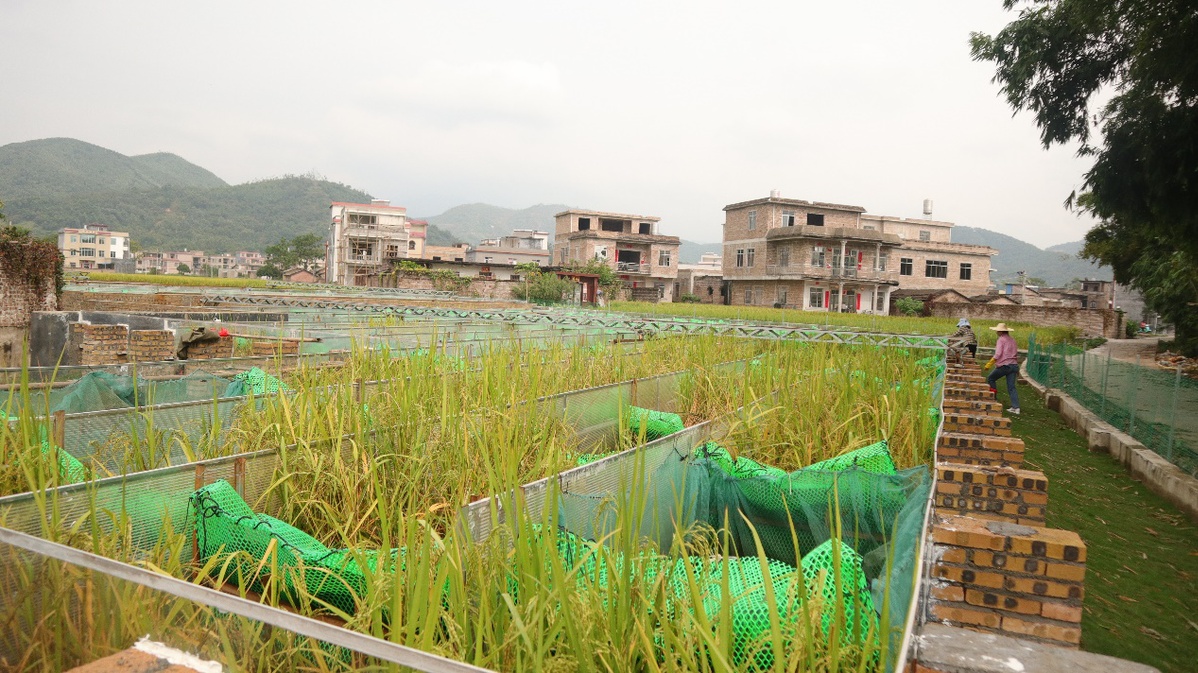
x=508, y=501
x=853, y=321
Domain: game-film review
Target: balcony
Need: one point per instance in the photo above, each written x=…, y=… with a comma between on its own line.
x=863, y=275
x=632, y=267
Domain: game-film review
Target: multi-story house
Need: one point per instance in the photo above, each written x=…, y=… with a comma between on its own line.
x=249, y=261
x=809, y=255
x=929, y=260
x=631, y=245
x=93, y=246
x=151, y=261
x=368, y=238
x=522, y=245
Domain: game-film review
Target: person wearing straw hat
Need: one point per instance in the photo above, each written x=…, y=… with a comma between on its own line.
x=1005, y=363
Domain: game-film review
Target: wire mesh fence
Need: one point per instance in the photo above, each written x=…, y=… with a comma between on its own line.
x=1153, y=405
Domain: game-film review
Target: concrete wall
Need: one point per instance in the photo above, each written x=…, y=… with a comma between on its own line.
x=1093, y=322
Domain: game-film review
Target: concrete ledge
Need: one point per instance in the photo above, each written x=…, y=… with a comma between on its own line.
x=945, y=649
x=1145, y=465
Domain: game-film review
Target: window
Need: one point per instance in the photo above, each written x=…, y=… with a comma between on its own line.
x=646, y=228
x=73, y=265
x=782, y=296
x=816, y=298
x=563, y=256
x=74, y=239
x=112, y=253
x=880, y=301
x=868, y=227
x=752, y=220
x=87, y=252
x=788, y=218
x=584, y=223
x=925, y=235
x=87, y=238
x=752, y=255
x=511, y=260
x=488, y=260
x=436, y=258
x=663, y=258
x=935, y=269
x=748, y=295
x=600, y=252
x=784, y=257
x=905, y=266
x=100, y=241
x=740, y=257
x=883, y=258
x=411, y=245
x=357, y=218
x=616, y=226
x=815, y=220
x=817, y=256
x=966, y=271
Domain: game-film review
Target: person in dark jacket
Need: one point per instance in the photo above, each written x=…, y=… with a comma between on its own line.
x=965, y=334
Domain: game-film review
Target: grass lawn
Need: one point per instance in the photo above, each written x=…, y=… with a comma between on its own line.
x=1142, y=553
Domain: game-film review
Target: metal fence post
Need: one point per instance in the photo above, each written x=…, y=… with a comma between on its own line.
x=1106, y=372
x=1131, y=407
x=1173, y=413
x=1082, y=384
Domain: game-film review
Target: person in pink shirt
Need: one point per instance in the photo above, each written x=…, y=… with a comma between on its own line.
x=1006, y=363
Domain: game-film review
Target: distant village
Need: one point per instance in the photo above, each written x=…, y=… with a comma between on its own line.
x=780, y=252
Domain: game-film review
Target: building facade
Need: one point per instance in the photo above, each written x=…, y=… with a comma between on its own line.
x=519, y=247
x=94, y=246
x=704, y=280
x=169, y=261
x=929, y=260
x=631, y=245
x=806, y=255
x=365, y=239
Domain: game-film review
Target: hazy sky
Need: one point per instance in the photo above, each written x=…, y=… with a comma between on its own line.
x=669, y=109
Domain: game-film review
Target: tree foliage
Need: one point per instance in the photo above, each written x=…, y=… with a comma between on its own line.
x=1060, y=60
x=304, y=251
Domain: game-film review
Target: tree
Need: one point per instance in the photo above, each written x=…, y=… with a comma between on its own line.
x=183, y=269
x=1059, y=59
x=303, y=250
x=909, y=306
x=269, y=270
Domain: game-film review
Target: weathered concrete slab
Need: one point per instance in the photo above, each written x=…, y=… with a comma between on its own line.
x=946, y=649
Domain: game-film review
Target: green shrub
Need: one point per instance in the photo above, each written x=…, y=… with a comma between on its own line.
x=1130, y=328
x=689, y=298
x=909, y=306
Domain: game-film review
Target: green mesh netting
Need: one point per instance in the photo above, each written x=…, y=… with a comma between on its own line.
x=857, y=497
x=256, y=382
x=225, y=524
x=96, y=391
x=70, y=470
x=657, y=424
x=832, y=573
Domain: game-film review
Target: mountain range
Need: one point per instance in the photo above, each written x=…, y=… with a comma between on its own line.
x=164, y=201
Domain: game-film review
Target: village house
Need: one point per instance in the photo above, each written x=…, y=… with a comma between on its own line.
x=94, y=246
x=810, y=255
x=520, y=247
x=820, y=256
x=630, y=245
x=367, y=238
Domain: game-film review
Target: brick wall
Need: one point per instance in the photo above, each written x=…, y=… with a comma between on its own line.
x=1094, y=322
x=151, y=345
x=206, y=350
x=266, y=348
x=1003, y=494
x=101, y=344
x=487, y=289
x=1003, y=577
x=19, y=298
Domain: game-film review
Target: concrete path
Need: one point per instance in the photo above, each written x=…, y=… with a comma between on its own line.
x=1126, y=350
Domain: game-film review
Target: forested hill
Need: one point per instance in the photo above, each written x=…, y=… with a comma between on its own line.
x=162, y=200
x=57, y=166
x=222, y=219
x=1057, y=265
